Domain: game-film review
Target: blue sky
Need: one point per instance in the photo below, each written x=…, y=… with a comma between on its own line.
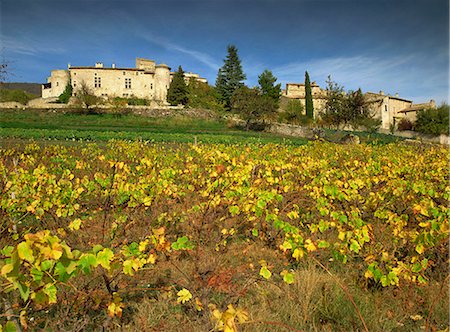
x=395, y=46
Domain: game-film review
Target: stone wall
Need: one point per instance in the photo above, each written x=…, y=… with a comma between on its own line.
x=290, y=130
x=311, y=133
x=441, y=139
x=11, y=104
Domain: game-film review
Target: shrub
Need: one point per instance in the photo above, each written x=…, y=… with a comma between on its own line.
x=405, y=124
x=433, y=121
x=294, y=113
x=369, y=124
x=119, y=107
x=18, y=96
x=132, y=101
x=65, y=96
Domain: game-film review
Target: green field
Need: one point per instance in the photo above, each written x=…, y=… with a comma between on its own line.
x=34, y=124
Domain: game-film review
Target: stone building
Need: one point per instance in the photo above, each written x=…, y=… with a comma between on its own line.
x=391, y=109
x=297, y=91
x=148, y=80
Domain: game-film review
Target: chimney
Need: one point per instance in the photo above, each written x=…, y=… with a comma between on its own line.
x=432, y=103
x=381, y=92
x=396, y=94
x=113, y=65
x=68, y=65
x=99, y=65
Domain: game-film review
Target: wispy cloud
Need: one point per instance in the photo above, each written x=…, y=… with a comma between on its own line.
x=402, y=74
x=199, y=56
x=352, y=70
x=12, y=45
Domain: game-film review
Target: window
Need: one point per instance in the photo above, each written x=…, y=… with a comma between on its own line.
x=151, y=86
x=385, y=108
x=97, y=82
x=57, y=83
x=128, y=83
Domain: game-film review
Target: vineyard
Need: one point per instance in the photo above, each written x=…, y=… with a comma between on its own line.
x=214, y=237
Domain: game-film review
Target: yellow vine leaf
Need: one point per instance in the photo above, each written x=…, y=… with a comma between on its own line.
x=184, y=296
x=115, y=307
x=25, y=252
x=298, y=253
x=75, y=224
x=310, y=246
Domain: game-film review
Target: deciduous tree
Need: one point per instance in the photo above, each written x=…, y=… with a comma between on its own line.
x=351, y=108
x=3, y=71
x=252, y=105
x=433, y=121
x=86, y=98
x=202, y=95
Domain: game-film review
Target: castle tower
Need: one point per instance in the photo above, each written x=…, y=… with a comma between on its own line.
x=56, y=83
x=162, y=82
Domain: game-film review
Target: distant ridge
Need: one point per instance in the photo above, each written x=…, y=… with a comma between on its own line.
x=34, y=88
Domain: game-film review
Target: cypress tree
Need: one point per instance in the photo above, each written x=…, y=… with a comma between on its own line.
x=230, y=76
x=308, y=97
x=178, y=90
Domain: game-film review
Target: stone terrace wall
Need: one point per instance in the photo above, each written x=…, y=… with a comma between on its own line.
x=310, y=133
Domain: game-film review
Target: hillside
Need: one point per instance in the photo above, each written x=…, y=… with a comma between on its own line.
x=33, y=88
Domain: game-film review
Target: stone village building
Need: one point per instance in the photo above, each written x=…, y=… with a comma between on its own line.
x=148, y=80
x=390, y=109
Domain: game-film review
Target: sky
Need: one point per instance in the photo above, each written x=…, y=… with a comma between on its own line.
x=396, y=46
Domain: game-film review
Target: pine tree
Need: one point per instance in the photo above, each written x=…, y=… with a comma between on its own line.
x=178, y=90
x=268, y=88
x=308, y=98
x=230, y=76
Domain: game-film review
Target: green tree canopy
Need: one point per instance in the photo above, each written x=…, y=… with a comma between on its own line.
x=252, y=105
x=268, y=88
x=202, y=95
x=308, y=97
x=433, y=121
x=230, y=76
x=178, y=90
x=351, y=108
